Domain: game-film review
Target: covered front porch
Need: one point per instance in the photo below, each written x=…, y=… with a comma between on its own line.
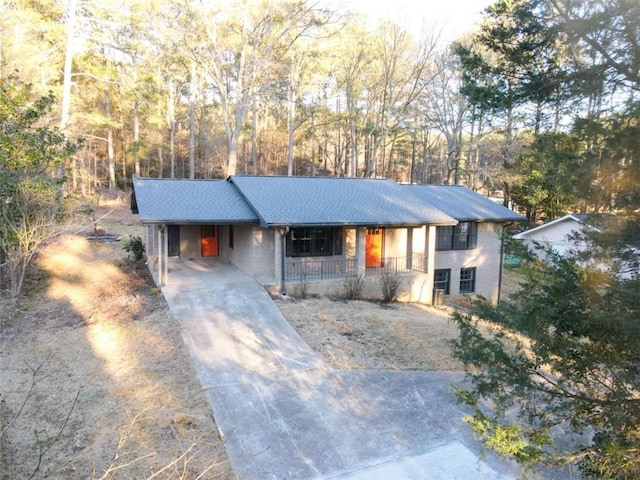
x=272, y=256
x=408, y=252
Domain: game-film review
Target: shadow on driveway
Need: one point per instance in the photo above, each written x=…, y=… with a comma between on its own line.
x=284, y=414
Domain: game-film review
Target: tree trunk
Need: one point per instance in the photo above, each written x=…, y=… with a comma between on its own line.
x=351, y=112
x=65, y=112
x=313, y=144
x=160, y=162
x=291, y=129
x=172, y=148
x=192, y=124
x=136, y=138
x=254, y=137
x=413, y=154
x=110, y=156
x=172, y=129
x=233, y=155
x=123, y=147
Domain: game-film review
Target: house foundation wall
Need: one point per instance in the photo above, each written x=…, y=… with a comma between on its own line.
x=414, y=287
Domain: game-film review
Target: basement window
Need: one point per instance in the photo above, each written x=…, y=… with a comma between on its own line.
x=441, y=280
x=467, y=280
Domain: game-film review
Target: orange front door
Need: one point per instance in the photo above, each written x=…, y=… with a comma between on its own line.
x=209, y=235
x=374, y=247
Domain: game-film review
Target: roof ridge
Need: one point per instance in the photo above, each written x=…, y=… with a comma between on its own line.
x=311, y=177
x=182, y=179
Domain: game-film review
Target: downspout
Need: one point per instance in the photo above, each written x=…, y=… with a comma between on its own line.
x=283, y=252
x=501, y=259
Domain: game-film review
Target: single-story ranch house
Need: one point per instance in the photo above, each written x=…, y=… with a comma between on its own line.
x=441, y=240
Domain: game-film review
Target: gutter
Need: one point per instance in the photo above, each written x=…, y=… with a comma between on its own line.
x=360, y=224
x=198, y=222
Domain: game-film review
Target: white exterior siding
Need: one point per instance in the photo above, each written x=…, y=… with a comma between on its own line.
x=419, y=236
x=395, y=243
x=253, y=250
x=350, y=242
x=554, y=235
x=150, y=235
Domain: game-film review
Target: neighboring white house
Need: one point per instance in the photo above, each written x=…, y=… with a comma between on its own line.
x=287, y=230
x=559, y=235
x=556, y=234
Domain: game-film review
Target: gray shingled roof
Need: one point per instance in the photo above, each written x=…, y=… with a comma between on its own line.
x=462, y=203
x=300, y=201
x=190, y=201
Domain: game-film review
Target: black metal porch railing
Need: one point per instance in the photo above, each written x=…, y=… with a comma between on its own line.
x=320, y=269
x=392, y=265
x=418, y=261
x=300, y=270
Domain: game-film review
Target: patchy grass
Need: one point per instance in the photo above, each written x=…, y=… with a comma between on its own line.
x=371, y=336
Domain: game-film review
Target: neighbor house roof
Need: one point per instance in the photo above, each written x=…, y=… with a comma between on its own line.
x=463, y=204
x=189, y=201
x=298, y=201
x=578, y=218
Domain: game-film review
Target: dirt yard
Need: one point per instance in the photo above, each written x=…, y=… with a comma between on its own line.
x=369, y=335
x=96, y=382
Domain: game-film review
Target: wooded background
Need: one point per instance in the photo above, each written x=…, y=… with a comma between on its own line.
x=537, y=105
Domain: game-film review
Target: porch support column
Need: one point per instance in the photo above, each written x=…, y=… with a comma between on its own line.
x=148, y=240
x=430, y=261
x=409, y=254
x=165, y=255
x=160, y=256
x=282, y=233
x=361, y=251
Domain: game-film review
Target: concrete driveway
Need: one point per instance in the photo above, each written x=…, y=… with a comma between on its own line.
x=284, y=414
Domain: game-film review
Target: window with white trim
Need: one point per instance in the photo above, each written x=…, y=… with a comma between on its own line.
x=467, y=280
x=442, y=280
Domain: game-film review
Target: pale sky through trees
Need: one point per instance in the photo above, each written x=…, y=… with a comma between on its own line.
x=454, y=17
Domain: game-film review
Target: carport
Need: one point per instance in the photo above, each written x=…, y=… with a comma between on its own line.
x=187, y=219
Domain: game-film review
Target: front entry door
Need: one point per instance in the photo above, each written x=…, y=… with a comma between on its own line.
x=209, y=236
x=173, y=240
x=374, y=247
